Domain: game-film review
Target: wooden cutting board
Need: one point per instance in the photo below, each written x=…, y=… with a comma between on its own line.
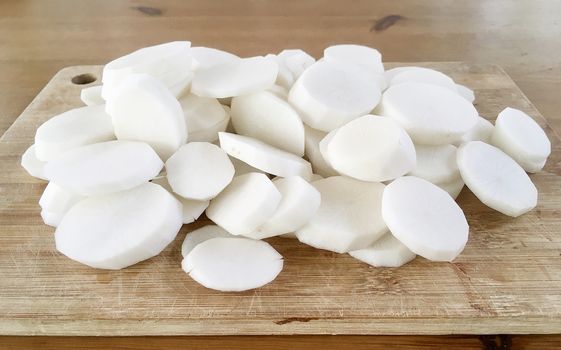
x=507, y=280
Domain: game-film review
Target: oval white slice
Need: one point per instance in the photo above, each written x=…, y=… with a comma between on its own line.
x=359, y=55
x=296, y=60
x=349, y=216
x=91, y=96
x=74, y=128
x=387, y=251
x=205, y=117
x=233, y=264
x=120, y=229
x=465, y=92
x=425, y=218
x=192, y=209
x=453, y=187
x=424, y=75
x=207, y=57
x=56, y=199
x=436, y=164
x=194, y=238
x=391, y=73
x=482, y=131
x=32, y=164
x=104, y=167
x=496, y=179
x=313, y=152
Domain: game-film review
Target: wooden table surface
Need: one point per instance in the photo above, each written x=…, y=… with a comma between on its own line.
x=37, y=38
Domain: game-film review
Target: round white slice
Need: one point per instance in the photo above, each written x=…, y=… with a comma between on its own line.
x=370, y=148
x=144, y=110
x=349, y=216
x=268, y=118
x=247, y=203
x=519, y=136
x=51, y=219
x=300, y=201
x=436, y=164
x=71, y=129
x=453, y=187
x=119, y=229
x=104, y=167
x=194, y=238
x=465, y=92
x=425, y=218
x=32, y=164
x=496, y=179
x=296, y=60
x=424, y=75
x=387, y=251
x=391, y=73
x=199, y=170
x=205, y=117
x=192, y=209
x=235, y=78
x=482, y=131
x=91, y=96
x=313, y=152
x=207, y=57
x=330, y=94
x=233, y=264
x=431, y=114
x=359, y=55
x=264, y=157
x=56, y=199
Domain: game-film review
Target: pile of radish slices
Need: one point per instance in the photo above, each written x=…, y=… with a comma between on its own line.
x=337, y=153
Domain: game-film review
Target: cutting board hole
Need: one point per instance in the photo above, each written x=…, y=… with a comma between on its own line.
x=83, y=79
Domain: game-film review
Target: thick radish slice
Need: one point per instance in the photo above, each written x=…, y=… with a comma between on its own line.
x=299, y=202
x=431, y=114
x=296, y=60
x=56, y=199
x=387, y=251
x=370, y=148
x=91, y=96
x=313, y=152
x=247, y=203
x=453, y=187
x=144, y=110
x=268, y=118
x=519, y=136
x=284, y=77
x=264, y=157
x=465, y=92
x=207, y=57
x=436, y=164
x=482, y=131
x=330, y=94
x=425, y=218
x=104, y=167
x=233, y=264
x=192, y=209
x=496, y=179
x=205, y=117
x=349, y=216
x=71, y=129
x=119, y=229
x=50, y=218
x=32, y=164
x=363, y=56
x=199, y=170
x=391, y=73
x=236, y=78
x=194, y=238
x=242, y=167
x=426, y=76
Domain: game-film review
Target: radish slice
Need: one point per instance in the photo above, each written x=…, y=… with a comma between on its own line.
x=453, y=187
x=71, y=129
x=120, y=229
x=299, y=202
x=32, y=165
x=264, y=157
x=192, y=209
x=51, y=219
x=247, y=203
x=207, y=57
x=349, y=217
x=144, y=110
x=496, y=179
x=329, y=94
x=104, y=167
x=370, y=148
x=482, y=131
x=242, y=168
x=387, y=251
x=431, y=114
x=199, y=170
x=279, y=91
x=236, y=78
x=200, y=235
x=296, y=60
x=267, y=118
x=436, y=164
x=465, y=92
x=391, y=73
x=425, y=76
x=425, y=218
x=284, y=77
x=205, y=117
x=313, y=153
x=363, y=56
x=58, y=200
x=519, y=136
x=233, y=264
x=91, y=96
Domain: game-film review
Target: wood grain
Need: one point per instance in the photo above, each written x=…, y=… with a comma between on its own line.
x=506, y=281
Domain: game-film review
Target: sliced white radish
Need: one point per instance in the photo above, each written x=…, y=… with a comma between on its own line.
x=431, y=114
x=496, y=179
x=453, y=187
x=436, y=164
x=71, y=129
x=299, y=202
x=194, y=238
x=313, y=152
x=91, y=96
x=143, y=109
x=268, y=118
x=387, y=251
x=370, y=148
x=248, y=202
x=192, y=209
x=349, y=216
x=465, y=92
x=330, y=94
x=56, y=199
x=205, y=117
x=391, y=73
x=296, y=60
x=426, y=76
x=284, y=77
x=359, y=55
x=425, y=218
x=32, y=164
x=233, y=264
x=104, y=167
x=119, y=229
x=242, y=167
x=199, y=170
x=236, y=78
x=50, y=218
x=519, y=136
x=207, y=57
x=264, y=157
x=482, y=131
